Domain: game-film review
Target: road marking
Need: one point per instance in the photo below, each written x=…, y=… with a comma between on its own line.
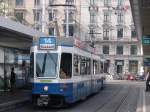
x=144, y=102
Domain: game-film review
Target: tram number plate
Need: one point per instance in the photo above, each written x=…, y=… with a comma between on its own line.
x=44, y=96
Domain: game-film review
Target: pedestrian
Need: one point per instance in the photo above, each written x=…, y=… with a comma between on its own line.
x=148, y=81
x=12, y=79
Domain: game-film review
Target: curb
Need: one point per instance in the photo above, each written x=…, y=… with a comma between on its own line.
x=139, y=102
x=13, y=104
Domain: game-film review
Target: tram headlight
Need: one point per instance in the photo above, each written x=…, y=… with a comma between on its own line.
x=45, y=88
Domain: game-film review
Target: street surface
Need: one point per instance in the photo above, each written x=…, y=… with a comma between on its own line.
x=118, y=96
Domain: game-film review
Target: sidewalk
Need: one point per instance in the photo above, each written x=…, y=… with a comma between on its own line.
x=143, y=101
x=9, y=100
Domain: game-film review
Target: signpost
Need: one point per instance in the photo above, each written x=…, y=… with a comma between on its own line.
x=47, y=43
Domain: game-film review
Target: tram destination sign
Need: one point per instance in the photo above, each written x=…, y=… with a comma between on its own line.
x=47, y=43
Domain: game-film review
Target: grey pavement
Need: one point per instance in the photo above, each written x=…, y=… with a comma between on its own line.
x=10, y=100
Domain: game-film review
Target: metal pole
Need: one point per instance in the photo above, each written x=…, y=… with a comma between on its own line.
x=43, y=16
x=67, y=21
x=103, y=66
x=5, y=77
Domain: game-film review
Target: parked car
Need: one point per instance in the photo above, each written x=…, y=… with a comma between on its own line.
x=131, y=77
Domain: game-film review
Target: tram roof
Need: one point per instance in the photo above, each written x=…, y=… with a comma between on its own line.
x=72, y=42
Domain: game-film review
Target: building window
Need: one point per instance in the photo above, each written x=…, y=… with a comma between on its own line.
x=51, y=2
x=120, y=33
x=92, y=18
x=133, y=66
x=120, y=2
x=71, y=2
x=106, y=17
x=37, y=2
x=119, y=49
x=105, y=49
x=51, y=31
x=92, y=2
x=133, y=33
x=120, y=18
x=71, y=30
x=70, y=16
x=133, y=50
x=37, y=16
x=19, y=2
x=106, y=34
x=51, y=16
x=119, y=66
x=37, y=27
x=19, y=16
x=107, y=2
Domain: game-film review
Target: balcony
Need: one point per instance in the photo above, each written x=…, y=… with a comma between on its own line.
x=20, y=7
x=37, y=7
x=107, y=22
x=93, y=9
x=70, y=21
x=120, y=22
x=93, y=25
x=105, y=38
x=115, y=40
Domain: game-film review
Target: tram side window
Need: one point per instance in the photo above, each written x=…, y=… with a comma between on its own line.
x=96, y=67
x=85, y=66
x=66, y=66
x=76, y=65
x=32, y=65
x=88, y=66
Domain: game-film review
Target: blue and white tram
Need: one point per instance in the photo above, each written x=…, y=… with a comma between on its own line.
x=66, y=72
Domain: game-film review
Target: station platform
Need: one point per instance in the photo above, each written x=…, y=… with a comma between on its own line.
x=10, y=100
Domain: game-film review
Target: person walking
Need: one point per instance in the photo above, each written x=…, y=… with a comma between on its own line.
x=12, y=79
x=148, y=81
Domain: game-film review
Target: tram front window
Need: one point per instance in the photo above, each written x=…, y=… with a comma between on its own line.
x=46, y=64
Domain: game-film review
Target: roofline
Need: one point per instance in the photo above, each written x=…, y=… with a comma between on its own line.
x=11, y=25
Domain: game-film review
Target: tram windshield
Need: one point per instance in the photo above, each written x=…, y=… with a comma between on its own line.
x=46, y=64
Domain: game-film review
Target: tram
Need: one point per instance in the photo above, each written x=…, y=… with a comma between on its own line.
x=64, y=71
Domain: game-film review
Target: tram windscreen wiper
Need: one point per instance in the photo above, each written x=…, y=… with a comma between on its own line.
x=44, y=64
x=52, y=59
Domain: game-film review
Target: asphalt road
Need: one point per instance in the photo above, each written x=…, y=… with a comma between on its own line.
x=118, y=96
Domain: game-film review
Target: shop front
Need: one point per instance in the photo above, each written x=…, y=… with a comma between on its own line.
x=17, y=59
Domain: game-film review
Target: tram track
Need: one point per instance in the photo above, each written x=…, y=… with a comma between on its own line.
x=114, y=100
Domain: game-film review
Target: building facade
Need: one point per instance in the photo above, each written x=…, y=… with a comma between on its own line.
x=62, y=18
x=106, y=23
x=118, y=44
